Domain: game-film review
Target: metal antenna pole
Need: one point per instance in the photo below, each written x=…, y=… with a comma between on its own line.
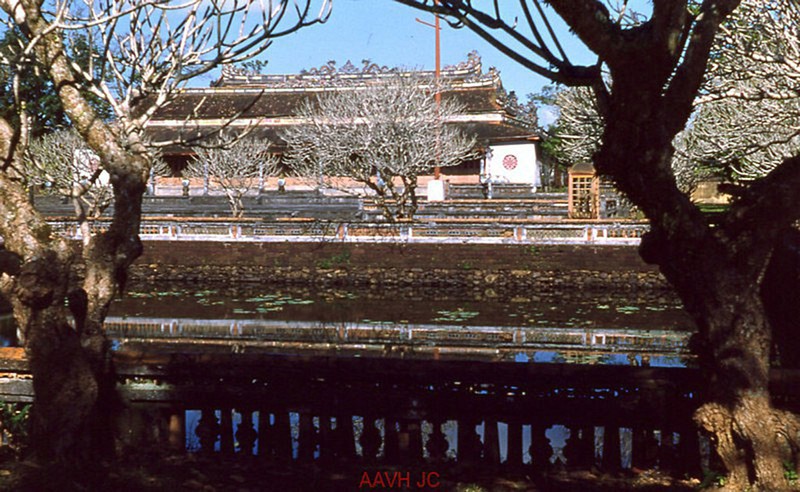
x=437, y=76
x=438, y=96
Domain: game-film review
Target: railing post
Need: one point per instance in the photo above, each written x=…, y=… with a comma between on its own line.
x=281, y=435
x=579, y=449
x=667, y=452
x=404, y=230
x=469, y=442
x=207, y=430
x=644, y=450
x=226, y=432
x=344, y=437
x=491, y=442
x=689, y=451
x=266, y=435
x=370, y=439
x=246, y=434
x=413, y=440
x=437, y=442
x=540, y=449
x=327, y=444
x=391, y=441
x=612, y=457
x=514, y=448
x=308, y=438
x=176, y=436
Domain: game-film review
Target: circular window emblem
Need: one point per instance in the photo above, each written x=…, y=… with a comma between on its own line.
x=510, y=162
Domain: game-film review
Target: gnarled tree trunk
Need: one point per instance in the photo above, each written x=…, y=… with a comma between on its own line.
x=60, y=318
x=656, y=69
x=717, y=271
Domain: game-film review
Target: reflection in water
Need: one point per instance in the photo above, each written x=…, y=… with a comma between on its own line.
x=648, y=331
x=410, y=306
x=541, y=345
x=643, y=331
x=523, y=330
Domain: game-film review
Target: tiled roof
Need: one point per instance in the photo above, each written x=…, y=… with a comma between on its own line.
x=265, y=104
x=218, y=103
x=193, y=135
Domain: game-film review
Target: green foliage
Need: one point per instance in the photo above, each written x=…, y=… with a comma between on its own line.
x=14, y=425
x=552, y=146
x=40, y=99
x=466, y=265
x=712, y=479
x=457, y=315
x=790, y=473
x=337, y=260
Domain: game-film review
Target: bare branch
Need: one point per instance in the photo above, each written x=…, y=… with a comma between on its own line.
x=237, y=168
x=493, y=24
x=377, y=135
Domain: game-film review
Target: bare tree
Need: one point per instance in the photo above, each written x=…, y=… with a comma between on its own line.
x=381, y=135
x=60, y=163
x=748, y=119
x=742, y=140
x=579, y=126
x=148, y=50
x=747, y=114
x=579, y=129
x=236, y=169
x=658, y=68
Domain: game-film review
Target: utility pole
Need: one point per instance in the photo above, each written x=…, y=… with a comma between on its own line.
x=437, y=76
x=436, y=188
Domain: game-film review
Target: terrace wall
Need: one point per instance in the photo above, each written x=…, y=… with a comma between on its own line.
x=500, y=267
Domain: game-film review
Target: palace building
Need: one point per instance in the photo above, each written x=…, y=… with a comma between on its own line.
x=265, y=105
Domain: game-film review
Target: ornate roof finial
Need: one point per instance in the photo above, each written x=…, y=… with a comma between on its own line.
x=472, y=64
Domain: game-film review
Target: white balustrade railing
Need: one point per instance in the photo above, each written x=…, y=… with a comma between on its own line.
x=490, y=232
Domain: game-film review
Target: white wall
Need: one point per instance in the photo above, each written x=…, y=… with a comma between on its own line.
x=523, y=155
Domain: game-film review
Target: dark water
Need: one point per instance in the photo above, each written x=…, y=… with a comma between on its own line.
x=648, y=329
x=565, y=327
x=637, y=329
x=637, y=312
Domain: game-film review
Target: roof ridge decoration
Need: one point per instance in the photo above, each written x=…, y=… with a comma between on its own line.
x=472, y=64
x=469, y=70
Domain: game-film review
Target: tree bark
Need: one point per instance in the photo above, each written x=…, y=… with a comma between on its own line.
x=61, y=319
x=780, y=300
x=74, y=380
x=717, y=272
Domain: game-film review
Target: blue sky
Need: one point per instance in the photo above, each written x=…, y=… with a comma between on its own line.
x=388, y=34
